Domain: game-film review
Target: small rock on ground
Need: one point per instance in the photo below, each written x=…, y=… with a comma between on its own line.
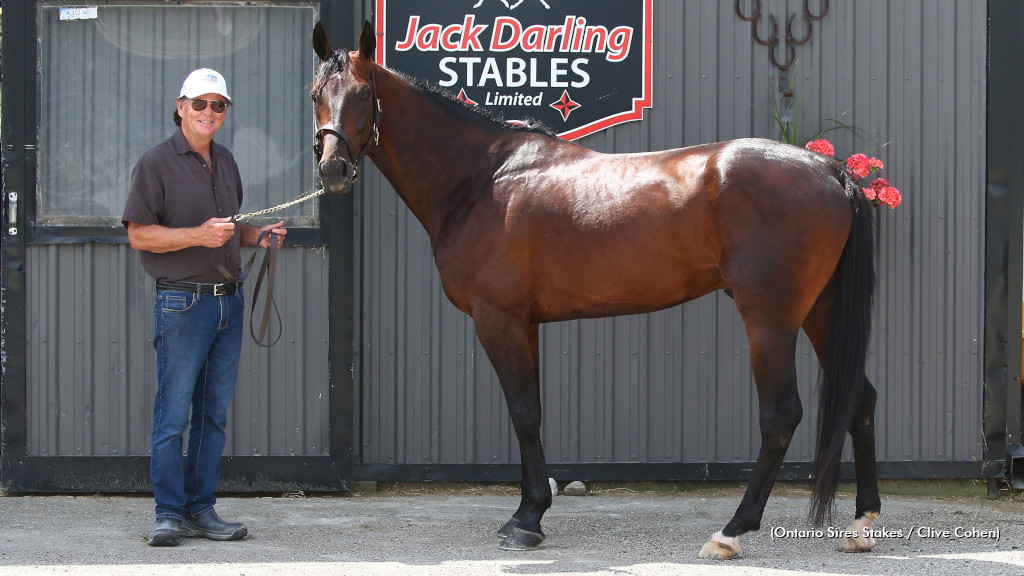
x=575, y=488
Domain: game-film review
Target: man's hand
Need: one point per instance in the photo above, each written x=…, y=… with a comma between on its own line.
x=215, y=232
x=159, y=239
x=277, y=229
x=250, y=234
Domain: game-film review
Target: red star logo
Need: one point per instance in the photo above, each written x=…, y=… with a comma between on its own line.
x=565, y=105
x=464, y=98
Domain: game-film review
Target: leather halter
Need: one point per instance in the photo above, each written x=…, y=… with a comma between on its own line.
x=339, y=132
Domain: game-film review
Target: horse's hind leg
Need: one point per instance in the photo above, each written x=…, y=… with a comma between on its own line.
x=513, y=348
x=862, y=431
x=772, y=351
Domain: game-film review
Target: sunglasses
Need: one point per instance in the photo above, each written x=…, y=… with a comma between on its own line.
x=198, y=104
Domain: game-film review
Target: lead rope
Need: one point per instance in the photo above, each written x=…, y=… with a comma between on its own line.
x=303, y=198
x=268, y=268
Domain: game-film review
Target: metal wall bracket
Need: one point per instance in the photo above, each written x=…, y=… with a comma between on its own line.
x=1015, y=464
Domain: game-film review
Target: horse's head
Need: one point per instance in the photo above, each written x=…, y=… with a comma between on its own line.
x=346, y=109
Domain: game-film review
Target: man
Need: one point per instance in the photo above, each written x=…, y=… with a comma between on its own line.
x=183, y=196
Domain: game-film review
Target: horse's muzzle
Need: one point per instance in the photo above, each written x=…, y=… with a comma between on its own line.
x=337, y=175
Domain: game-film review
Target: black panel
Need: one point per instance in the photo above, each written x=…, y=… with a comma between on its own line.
x=1004, y=214
x=18, y=142
x=339, y=223
x=112, y=474
x=670, y=472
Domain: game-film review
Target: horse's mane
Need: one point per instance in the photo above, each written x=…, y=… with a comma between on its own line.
x=339, y=60
x=438, y=93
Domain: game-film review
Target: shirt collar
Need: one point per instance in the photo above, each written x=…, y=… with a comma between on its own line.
x=181, y=145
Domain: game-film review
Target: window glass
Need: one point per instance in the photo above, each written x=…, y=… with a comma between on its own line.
x=108, y=81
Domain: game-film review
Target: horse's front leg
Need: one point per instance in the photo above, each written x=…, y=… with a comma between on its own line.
x=512, y=344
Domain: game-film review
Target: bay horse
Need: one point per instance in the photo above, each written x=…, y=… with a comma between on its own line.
x=527, y=228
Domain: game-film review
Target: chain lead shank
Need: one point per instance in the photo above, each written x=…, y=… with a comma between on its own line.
x=298, y=200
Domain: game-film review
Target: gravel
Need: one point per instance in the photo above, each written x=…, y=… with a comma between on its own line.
x=428, y=532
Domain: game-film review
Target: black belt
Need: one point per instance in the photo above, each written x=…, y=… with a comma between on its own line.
x=222, y=289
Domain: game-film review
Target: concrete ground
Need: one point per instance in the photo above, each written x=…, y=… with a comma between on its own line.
x=409, y=531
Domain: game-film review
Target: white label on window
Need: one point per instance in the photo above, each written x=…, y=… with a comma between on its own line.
x=72, y=13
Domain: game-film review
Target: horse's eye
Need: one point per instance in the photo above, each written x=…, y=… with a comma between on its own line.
x=365, y=93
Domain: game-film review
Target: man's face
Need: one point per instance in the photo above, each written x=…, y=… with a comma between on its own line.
x=201, y=125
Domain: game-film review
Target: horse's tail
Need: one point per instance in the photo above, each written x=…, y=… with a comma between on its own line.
x=842, y=379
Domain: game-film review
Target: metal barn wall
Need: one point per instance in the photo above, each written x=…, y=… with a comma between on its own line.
x=92, y=365
x=675, y=386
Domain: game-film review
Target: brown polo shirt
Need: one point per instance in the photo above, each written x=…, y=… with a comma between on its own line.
x=173, y=187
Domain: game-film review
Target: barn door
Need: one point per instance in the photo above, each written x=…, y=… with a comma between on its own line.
x=88, y=89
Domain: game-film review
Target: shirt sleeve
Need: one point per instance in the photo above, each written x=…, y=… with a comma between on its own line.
x=146, y=195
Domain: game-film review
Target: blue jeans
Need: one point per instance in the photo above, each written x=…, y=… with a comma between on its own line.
x=198, y=342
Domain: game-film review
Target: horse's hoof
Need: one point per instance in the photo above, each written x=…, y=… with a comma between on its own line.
x=859, y=544
x=520, y=540
x=506, y=530
x=721, y=547
x=863, y=542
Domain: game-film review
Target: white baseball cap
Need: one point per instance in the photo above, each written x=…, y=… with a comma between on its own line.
x=204, y=81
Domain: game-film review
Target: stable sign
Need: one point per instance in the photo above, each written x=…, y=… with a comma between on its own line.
x=578, y=66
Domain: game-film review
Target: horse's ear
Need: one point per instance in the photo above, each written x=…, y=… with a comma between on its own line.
x=368, y=41
x=321, y=42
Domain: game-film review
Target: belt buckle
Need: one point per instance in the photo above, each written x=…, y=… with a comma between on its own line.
x=220, y=289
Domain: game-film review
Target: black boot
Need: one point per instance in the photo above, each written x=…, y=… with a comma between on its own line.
x=211, y=526
x=165, y=532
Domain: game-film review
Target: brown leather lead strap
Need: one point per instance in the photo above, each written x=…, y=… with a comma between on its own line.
x=268, y=267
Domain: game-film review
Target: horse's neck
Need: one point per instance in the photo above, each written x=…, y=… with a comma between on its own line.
x=430, y=151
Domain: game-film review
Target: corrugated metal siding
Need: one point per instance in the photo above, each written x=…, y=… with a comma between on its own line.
x=675, y=386
x=666, y=387
x=91, y=364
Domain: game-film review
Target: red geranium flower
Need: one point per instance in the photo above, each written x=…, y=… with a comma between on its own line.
x=879, y=184
x=821, y=147
x=890, y=196
x=859, y=165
